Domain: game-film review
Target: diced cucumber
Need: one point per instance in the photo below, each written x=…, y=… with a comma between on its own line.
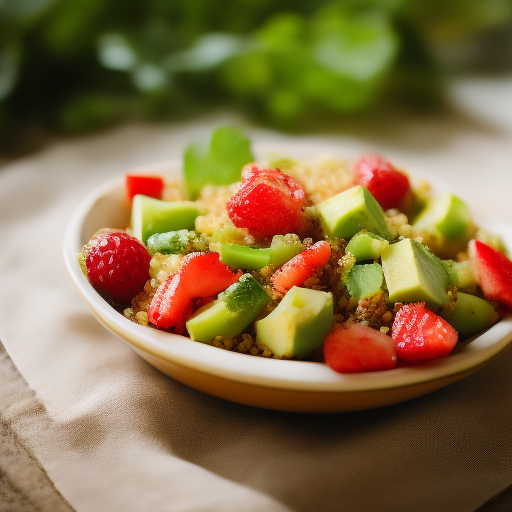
x=241, y=256
x=150, y=216
x=172, y=242
x=364, y=280
x=366, y=246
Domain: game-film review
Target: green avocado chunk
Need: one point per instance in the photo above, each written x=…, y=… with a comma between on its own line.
x=470, y=315
x=241, y=256
x=283, y=248
x=235, y=309
x=364, y=280
x=448, y=214
x=299, y=324
x=150, y=216
x=344, y=214
x=414, y=274
x=366, y=246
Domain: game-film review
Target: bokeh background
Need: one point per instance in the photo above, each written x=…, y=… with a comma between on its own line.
x=72, y=67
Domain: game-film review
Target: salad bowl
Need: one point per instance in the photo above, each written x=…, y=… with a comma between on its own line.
x=286, y=385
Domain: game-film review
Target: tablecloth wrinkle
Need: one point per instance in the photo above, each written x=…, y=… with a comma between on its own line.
x=24, y=483
x=114, y=434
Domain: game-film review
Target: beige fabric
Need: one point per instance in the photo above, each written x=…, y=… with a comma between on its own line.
x=114, y=434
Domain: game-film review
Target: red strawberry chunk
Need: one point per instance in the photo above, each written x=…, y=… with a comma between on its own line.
x=494, y=271
x=300, y=268
x=144, y=184
x=201, y=275
x=420, y=334
x=359, y=348
x=171, y=305
x=117, y=265
x=387, y=185
x=267, y=203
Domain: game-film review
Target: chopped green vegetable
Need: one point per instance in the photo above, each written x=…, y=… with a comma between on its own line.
x=414, y=274
x=220, y=163
x=241, y=256
x=447, y=214
x=365, y=280
x=150, y=216
x=299, y=324
x=234, y=310
x=283, y=248
x=344, y=214
x=366, y=246
x=470, y=315
x=245, y=294
x=172, y=242
x=176, y=242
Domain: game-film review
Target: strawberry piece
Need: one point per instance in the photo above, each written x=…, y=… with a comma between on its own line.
x=359, y=348
x=267, y=203
x=420, y=334
x=494, y=272
x=387, y=185
x=146, y=185
x=301, y=267
x=117, y=265
x=201, y=275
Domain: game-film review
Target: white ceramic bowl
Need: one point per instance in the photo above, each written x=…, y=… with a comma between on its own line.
x=274, y=384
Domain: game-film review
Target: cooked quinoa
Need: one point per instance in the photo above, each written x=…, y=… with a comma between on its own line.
x=321, y=179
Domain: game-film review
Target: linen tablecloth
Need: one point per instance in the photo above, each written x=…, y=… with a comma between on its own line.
x=111, y=433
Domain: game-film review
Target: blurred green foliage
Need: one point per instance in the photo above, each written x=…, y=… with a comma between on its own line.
x=219, y=162
x=76, y=66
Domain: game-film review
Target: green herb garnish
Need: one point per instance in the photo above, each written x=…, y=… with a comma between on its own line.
x=220, y=163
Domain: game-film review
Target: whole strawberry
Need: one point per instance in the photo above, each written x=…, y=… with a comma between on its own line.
x=116, y=264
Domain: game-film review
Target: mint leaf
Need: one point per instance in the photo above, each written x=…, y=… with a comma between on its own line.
x=220, y=163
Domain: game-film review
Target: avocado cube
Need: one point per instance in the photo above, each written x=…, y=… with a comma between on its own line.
x=299, y=324
x=344, y=214
x=470, y=315
x=413, y=274
x=366, y=246
x=150, y=216
x=447, y=214
x=234, y=310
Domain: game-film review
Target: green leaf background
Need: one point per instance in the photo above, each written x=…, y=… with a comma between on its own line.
x=73, y=67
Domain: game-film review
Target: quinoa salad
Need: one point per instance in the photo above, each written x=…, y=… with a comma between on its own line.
x=347, y=262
